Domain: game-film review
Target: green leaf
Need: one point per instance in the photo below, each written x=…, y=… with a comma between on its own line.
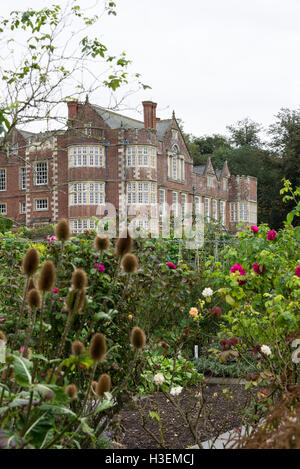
x=154, y=415
x=21, y=371
x=56, y=409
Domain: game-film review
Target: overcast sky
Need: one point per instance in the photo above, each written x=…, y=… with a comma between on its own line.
x=213, y=61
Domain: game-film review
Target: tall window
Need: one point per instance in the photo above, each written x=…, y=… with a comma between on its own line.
x=22, y=207
x=141, y=193
x=22, y=178
x=41, y=173
x=183, y=204
x=2, y=179
x=224, y=184
x=214, y=209
x=234, y=212
x=222, y=212
x=175, y=165
x=87, y=193
x=175, y=207
x=197, y=205
x=162, y=201
x=87, y=156
x=210, y=181
x=243, y=211
x=206, y=208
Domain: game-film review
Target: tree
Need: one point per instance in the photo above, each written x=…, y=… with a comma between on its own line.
x=245, y=132
x=47, y=59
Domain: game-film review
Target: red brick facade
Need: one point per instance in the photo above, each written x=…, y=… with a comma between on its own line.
x=152, y=153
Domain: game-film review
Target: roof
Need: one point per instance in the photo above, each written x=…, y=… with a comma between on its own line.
x=162, y=127
x=199, y=169
x=115, y=120
x=218, y=173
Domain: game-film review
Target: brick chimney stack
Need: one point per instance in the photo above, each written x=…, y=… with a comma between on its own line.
x=149, y=115
x=73, y=110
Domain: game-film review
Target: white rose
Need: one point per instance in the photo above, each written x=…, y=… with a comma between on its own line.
x=207, y=292
x=265, y=349
x=176, y=391
x=159, y=379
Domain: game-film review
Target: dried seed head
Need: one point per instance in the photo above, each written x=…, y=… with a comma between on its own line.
x=101, y=243
x=47, y=277
x=2, y=336
x=75, y=301
x=98, y=347
x=130, y=264
x=124, y=244
x=32, y=284
x=103, y=385
x=72, y=391
x=31, y=262
x=79, y=279
x=62, y=230
x=138, y=338
x=34, y=298
x=77, y=348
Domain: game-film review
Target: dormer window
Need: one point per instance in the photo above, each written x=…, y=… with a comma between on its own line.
x=224, y=184
x=210, y=181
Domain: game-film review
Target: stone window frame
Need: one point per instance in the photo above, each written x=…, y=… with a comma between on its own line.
x=3, y=180
x=41, y=173
x=223, y=212
x=40, y=199
x=82, y=224
x=210, y=181
x=176, y=160
x=80, y=195
x=3, y=212
x=214, y=209
x=88, y=158
x=23, y=178
x=138, y=194
x=206, y=208
x=234, y=212
x=22, y=211
x=143, y=156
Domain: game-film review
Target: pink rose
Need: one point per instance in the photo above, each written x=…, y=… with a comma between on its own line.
x=101, y=268
x=55, y=290
x=297, y=271
x=254, y=229
x=171, y=265
x=271, y=235
x=238, y=268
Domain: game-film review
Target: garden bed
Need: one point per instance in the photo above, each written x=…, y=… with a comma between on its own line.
x=226, y=413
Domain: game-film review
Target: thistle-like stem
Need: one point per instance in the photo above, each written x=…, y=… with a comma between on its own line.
x=92, y=374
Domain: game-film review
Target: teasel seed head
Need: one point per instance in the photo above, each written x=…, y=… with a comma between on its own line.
x=47, y=277
x=130, y=264
x=62, y=230
x=2, y=336
x=79, y=279
x=98, y=347
x=32, y=284
x=31, y=262
x=72, y=391
x=75, y=301
x=124, y=244
x=103, y=385
x=77, y=348
x=101, y=243
x=138, y=338
x=34, y=298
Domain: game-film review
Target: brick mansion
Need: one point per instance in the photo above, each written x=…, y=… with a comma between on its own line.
x=103, y=155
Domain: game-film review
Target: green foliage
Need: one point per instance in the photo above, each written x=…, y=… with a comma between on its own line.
x=5, y=224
